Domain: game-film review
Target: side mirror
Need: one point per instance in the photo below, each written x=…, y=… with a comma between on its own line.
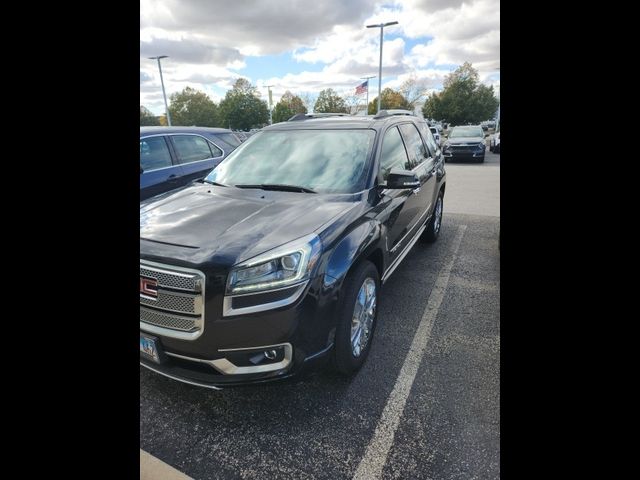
x=486, y=135
x=402, y=179
x=141, y=169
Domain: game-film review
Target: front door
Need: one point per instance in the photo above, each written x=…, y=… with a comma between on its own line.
x=159, y=174
x=403, y=207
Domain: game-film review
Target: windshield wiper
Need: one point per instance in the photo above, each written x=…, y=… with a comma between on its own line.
x=204, y=180
x=277, y=186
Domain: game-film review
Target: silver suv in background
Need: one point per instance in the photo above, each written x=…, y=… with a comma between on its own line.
x=436, y=135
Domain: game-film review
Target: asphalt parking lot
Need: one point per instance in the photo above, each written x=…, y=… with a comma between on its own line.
x=426, y=404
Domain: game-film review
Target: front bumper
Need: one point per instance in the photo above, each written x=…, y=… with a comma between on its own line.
x=455, y=154
x=253, y=347
x=206, y=373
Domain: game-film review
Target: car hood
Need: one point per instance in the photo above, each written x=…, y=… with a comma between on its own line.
x=459, y=140
x=226, y=225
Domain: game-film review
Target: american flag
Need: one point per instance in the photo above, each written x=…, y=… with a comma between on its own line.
x=362, y=88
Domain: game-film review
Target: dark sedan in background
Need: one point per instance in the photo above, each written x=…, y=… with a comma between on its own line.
x=465, y=143
x=171, y=157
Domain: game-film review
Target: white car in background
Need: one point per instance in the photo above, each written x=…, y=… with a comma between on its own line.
x=494, y=143
x=436, y=135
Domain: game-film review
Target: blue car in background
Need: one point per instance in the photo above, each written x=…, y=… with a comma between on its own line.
x=171, y=157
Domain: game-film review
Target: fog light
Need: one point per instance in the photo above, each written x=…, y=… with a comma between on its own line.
x=270, y=354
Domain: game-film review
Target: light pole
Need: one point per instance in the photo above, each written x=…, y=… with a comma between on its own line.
x=381, y=27
x=270, y=103
x=164, y=95
x=367, y=79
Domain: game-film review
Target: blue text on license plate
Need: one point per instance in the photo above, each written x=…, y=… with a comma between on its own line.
x=148, y=347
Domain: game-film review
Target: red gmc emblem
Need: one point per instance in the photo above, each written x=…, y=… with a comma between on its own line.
x=149, y=287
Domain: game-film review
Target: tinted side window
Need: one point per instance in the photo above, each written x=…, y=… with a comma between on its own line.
x=191, y=148
x=154, y=153
x=393, y=154
x=428, y=139
x=215, y=151
x=416, y=149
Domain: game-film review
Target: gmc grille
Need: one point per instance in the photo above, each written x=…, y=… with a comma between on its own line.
x=178, y=310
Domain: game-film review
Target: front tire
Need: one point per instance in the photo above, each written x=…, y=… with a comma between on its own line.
x=432, y=231
x=357, y=317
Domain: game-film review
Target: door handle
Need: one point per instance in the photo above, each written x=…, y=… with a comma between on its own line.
x=172, y=178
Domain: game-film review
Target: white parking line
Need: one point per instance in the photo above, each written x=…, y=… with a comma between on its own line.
x=375, y=457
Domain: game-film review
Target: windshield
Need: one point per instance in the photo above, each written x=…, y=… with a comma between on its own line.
x=326, y=161
x=466, y=132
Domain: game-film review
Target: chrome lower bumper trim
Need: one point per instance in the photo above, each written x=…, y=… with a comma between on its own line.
x=226, y=367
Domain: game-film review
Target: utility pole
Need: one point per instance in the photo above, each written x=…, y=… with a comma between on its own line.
x=367, y=78
x=381, y=27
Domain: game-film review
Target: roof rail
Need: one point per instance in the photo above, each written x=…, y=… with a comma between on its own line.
x=306, y=116
x=389, y=113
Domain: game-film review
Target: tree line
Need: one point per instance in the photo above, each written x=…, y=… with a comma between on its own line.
x=463, y=100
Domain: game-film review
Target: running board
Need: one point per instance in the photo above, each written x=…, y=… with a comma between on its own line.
x=404, y=253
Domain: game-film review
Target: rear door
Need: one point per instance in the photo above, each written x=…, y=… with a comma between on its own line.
x=196, y=155
x=160, y=171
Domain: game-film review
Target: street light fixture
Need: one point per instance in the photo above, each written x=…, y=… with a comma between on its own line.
x=381, y=27
x=164, y=95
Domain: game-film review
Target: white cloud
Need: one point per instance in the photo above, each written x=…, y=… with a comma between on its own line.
x=208, y=50
x=258, y=25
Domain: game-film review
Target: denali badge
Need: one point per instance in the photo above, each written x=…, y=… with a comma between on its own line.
x=149, y=287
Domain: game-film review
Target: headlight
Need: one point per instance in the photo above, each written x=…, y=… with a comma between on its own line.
x=282, y=267
x=481, y=146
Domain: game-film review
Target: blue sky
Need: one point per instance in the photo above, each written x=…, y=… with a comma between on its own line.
x=304, y=46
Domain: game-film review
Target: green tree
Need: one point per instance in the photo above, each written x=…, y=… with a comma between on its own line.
x=390, y=100
x=241, y=108
x=330, y=102
x=193, y=108
x=147, y=118
x=463, y=99
x=287, y=107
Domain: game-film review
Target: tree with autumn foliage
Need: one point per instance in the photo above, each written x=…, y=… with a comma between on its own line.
x=287, y=107
x=390, y=100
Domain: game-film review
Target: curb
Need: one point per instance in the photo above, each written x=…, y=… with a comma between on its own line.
x=152, y=468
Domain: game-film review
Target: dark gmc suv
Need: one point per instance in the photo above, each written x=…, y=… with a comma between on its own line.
x=276, y=259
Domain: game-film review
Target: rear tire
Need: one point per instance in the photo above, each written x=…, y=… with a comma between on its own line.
x=357, y=318
x=432, y=231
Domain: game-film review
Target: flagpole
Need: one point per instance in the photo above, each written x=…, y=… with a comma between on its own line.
x=367, y=79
